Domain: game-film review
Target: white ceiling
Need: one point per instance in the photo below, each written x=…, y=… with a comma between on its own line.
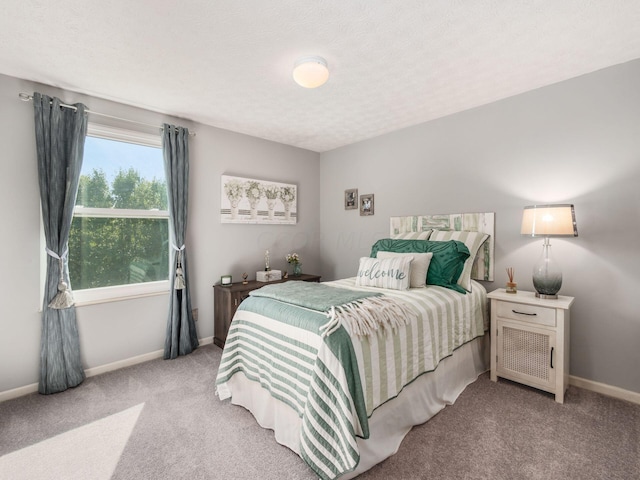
x=393, y=63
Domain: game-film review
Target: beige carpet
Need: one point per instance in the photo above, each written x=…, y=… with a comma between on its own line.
x=90, y=451
x=161, y=420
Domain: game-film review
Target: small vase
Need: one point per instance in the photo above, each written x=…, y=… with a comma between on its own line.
x=254, y=209
x=234, y=208
x=512, y=287
x=297, y=269
x=271, y=203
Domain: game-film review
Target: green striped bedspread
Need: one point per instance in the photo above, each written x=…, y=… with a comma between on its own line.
x=336, y=383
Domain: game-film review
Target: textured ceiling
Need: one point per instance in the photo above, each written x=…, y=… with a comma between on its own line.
x=393, y=63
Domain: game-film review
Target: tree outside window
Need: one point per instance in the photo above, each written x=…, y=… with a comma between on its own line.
x=120, y=231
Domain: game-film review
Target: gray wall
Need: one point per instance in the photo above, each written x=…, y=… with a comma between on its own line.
x=110, y=332
x=574, y=142
x=577, y=141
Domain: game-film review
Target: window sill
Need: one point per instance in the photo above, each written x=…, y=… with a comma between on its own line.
x=120, y=293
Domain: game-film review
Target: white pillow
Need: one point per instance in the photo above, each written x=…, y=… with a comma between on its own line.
x=412, y=235
x=419, y=266
x=473, y=241
x=393, y=273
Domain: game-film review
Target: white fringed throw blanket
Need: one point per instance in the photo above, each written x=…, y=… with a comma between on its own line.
x=360, y=313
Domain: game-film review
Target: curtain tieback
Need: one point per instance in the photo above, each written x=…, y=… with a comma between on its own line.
x=63, y=299
x=179, y=283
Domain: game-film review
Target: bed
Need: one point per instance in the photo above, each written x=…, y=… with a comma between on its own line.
x=342, y=370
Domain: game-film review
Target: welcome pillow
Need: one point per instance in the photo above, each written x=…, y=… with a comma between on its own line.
x=419, y=266
x=392, y=273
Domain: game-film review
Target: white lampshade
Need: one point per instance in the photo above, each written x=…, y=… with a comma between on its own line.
x=310, y=72
x=549, y=220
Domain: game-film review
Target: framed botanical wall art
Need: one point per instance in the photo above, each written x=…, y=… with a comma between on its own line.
x=351, y=199
x=247, y=200
x=366, y=204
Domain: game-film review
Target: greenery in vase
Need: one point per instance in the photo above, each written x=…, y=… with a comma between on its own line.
x=253, y=190
x=288, y=194
x=293, y=258
x=272, y=192
x=233, y=189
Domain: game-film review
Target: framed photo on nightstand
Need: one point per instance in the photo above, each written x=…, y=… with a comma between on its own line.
x=225, y=280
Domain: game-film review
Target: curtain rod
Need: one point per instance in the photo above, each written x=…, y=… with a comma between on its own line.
x=25, y=97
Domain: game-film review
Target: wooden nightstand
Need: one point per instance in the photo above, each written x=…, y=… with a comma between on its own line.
x=226, y=300
x=530, y=340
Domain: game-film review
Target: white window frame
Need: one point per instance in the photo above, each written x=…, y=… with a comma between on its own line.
x=115, y=293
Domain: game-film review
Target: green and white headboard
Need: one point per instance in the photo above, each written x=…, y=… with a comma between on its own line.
x=413, y=226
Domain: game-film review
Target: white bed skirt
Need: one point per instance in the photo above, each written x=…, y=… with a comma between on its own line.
x=391, y=422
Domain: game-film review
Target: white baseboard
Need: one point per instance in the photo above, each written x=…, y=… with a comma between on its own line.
x=602, y=388
x=605, y=389
x=127, y=362
x=92, y=372
x=18, y=392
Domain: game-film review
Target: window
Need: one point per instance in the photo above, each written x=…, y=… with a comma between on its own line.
x=119, y=239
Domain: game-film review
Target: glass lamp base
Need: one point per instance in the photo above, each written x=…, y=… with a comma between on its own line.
x=547, y=276
x=545, y=296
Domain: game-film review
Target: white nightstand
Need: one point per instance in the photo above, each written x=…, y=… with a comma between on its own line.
x=530, y=340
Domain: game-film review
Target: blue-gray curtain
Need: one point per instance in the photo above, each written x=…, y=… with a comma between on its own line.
x=60, y=135
x=182, y=337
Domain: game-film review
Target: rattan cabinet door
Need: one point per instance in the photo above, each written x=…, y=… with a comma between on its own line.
x=526, y=353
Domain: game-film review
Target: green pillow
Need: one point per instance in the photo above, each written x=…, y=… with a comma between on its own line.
x=446, y=264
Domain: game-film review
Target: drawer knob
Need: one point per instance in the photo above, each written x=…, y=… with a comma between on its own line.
x=524, y=313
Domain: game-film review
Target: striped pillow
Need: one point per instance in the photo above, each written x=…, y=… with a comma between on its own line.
x=412, y=235
x=393, y=273
x=473, y=241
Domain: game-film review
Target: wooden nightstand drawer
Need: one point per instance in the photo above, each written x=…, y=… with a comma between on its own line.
x=527, y=313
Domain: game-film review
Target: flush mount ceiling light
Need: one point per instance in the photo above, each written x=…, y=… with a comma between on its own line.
x=310, y=72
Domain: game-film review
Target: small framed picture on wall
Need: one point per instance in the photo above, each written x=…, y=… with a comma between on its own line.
x=366, y=204
x=351, y=199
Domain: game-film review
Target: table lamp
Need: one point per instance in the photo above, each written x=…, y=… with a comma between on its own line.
x=548, y=220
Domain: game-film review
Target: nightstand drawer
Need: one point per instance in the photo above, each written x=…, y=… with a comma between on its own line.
x=527, y=313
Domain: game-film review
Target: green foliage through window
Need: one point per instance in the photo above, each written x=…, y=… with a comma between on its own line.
x=117, y=251
x=107, y=248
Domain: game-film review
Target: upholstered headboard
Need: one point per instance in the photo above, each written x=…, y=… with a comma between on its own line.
x=476, y=222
